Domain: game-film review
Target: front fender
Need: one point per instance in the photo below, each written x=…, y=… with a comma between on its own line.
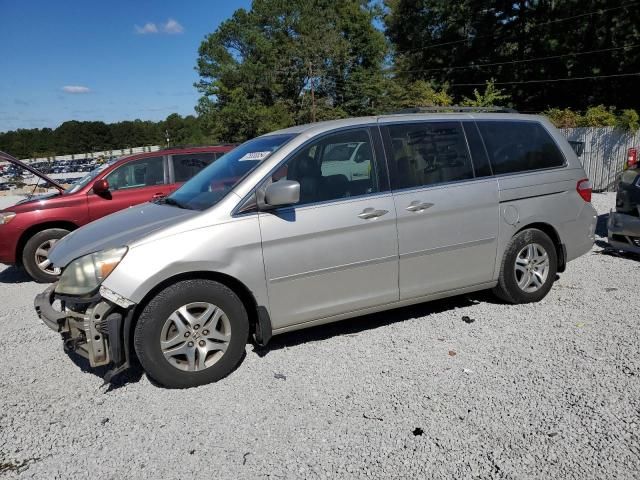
x=233, y=248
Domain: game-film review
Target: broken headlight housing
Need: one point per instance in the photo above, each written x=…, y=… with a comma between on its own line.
x=85, y=274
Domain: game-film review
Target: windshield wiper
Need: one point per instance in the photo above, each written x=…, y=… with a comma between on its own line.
x=172, y=201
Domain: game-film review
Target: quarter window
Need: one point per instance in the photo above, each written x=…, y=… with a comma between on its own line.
x=519, y=146
x=337, y=166
x=186, y=166
x=145, y=172
x=428, y=153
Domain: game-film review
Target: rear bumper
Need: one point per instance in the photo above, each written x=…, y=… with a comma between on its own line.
x=624, y=232
x=579, y=235
x=91, y=327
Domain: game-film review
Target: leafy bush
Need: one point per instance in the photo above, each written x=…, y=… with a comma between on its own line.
x=628, y=120
x=598, y=116
x=491, y=96
x=563, y=117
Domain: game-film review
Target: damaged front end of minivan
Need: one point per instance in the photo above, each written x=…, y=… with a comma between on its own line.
x=92, y=320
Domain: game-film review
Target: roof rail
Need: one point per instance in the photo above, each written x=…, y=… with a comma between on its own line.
x=182, y=147
x=454, y=108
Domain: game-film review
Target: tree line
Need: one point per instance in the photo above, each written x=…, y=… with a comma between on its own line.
x=78, y=137
x=286, y=62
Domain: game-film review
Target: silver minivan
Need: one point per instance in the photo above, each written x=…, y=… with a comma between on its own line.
x=318, y=223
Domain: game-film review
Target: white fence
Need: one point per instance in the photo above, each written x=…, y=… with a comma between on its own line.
x=88, y=155
x=605, y=153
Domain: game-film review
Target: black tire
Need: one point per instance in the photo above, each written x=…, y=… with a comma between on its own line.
x=507, y=288
x=29, y=261
x=148, y=332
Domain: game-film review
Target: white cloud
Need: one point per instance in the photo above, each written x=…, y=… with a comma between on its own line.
x=148, y=27
x=75, y=89
x=171, y=27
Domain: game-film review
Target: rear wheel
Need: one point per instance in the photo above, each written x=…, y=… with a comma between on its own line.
x=35, y=255
x=528, y=268
x=192, y=333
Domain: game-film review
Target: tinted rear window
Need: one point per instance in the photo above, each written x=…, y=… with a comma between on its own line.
x=427, y=153
x=519, y=146
x=187, y=165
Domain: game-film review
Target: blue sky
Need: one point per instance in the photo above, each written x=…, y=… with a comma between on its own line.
x=101, y=60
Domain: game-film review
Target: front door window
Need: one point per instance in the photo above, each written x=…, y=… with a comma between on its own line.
x=337, y=166
x=146, y=172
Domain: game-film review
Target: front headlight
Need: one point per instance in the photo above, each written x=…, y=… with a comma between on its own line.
x=6, y=217
x=84, y=275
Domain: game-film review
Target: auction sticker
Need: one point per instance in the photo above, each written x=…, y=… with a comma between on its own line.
x=254, y=156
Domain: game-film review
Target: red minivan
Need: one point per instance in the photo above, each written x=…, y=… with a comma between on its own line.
x=29, y=228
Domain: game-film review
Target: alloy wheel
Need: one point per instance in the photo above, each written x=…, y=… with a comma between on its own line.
x=42, y=258
x=195, y=336
x=531, y=267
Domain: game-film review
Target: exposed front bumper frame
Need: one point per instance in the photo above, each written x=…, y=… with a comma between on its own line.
x=99, y=333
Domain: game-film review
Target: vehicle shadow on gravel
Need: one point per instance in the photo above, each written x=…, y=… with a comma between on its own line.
x=354, y=326
x=14, y=274
x=132, y=375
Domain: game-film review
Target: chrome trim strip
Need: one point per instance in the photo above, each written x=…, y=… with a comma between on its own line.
x=338, y=268
x=531, y=196
x=443, y=185
x=447, y=248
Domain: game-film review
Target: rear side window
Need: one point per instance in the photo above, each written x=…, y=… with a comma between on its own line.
x=145, y=172
x=519, y=146
x=427, y=153
x=186, y=166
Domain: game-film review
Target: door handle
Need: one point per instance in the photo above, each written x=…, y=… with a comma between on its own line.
x=158, y=195
x=417, y=206
x=368, y=213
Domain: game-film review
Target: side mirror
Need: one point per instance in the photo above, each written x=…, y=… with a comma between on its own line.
x=281, y=193
x=101, y=186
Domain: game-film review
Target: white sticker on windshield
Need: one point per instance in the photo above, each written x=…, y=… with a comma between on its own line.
x=254, y=156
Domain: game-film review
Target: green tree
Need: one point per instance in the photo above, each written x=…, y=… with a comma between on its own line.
x=286, y=62
x=491, y=97
x=467, y=42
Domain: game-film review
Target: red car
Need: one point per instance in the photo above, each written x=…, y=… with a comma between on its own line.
x=29, y=229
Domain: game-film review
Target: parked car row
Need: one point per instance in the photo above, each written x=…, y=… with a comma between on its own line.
x=302, y=227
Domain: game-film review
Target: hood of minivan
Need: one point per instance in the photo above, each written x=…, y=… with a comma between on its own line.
x=38, y=173
x=116, y=230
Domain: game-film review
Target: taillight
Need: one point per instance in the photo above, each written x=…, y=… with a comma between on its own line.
x=632, y=158
x=584, y=189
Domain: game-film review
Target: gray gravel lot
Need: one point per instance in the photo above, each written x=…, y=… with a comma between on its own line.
x=550, y=390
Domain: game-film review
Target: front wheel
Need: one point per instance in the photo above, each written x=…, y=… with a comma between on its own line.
x=191, y=333
x=35, y=255
x=528, y=269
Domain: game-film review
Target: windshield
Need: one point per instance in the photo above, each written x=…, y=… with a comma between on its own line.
x=87, y=178
x=209, y=186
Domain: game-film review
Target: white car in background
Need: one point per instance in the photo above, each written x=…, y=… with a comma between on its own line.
x=353, y=160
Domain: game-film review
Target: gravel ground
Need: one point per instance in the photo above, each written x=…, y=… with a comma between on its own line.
x=550, y=390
